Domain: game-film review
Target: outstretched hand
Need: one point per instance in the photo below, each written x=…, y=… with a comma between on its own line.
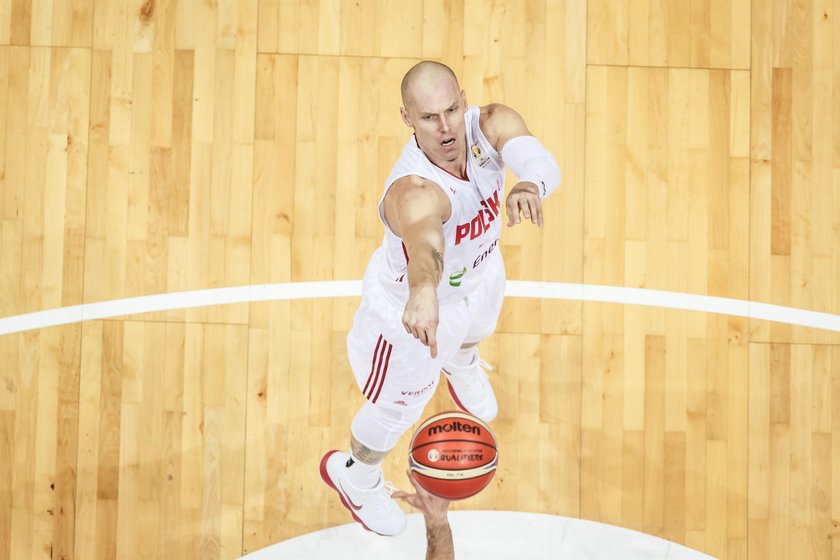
x=420, y=317
x=524, y=199
x=431, y=506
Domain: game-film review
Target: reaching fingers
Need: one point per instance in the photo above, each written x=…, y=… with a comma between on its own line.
x=410, y=499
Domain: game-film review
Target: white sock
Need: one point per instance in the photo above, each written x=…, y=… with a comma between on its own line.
x=361, y=475
x=465, y=357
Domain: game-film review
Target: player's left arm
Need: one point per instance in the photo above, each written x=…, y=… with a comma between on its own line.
x=534, y=165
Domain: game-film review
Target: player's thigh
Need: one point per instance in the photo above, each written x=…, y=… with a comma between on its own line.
x=391, y=367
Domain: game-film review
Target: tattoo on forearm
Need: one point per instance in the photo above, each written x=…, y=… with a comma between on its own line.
x=438, y=262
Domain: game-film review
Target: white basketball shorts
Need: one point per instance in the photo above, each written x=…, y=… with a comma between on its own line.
x=395, y=370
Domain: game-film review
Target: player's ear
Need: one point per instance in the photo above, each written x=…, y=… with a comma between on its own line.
x=406, y=119
x=464, y=99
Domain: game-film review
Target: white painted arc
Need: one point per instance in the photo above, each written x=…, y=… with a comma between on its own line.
x=349, y=288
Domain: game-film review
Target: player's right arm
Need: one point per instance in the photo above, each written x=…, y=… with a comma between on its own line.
x=415, y=209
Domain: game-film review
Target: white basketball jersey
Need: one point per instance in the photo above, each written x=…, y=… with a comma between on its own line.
x=472, y=232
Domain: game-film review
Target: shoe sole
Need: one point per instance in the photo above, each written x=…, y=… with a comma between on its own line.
x=325, y=476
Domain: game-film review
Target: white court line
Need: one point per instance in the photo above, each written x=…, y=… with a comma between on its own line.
x=348, y=288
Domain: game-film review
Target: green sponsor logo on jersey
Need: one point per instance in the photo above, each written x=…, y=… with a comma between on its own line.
x=455, y=277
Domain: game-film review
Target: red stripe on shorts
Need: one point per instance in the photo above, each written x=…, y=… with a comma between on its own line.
x=384, y=373
x=372, y=364
x=379, y=356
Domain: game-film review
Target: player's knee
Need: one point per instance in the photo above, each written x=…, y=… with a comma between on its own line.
x=395, y=419
x=379, y=428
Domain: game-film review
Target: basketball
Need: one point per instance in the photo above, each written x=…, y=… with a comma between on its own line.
x=453, y=455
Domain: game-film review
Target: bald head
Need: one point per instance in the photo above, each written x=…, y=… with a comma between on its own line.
x=423, y=76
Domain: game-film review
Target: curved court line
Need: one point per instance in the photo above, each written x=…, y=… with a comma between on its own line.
x=348, y=288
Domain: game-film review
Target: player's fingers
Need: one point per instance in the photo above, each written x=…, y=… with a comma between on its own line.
x=433, y=344
x=512, y=212
x=516, y=213
x=526, y=208
x=539, y=213
x=410, y=499
x=534, y=204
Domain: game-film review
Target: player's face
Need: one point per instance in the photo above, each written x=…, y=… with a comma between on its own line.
x=436, y=112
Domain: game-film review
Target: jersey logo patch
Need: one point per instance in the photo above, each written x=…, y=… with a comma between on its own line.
x=480, y=158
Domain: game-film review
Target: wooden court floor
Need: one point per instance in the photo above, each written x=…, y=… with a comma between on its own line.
x=153, y=146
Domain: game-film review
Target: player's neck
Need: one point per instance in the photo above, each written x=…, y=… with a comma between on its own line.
x=456, y=167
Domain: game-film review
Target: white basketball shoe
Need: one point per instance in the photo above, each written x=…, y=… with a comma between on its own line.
x=470, y=388
x=373, y=508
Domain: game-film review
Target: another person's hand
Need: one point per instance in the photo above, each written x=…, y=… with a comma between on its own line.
x=432, y=507
x=439, y=543
x=420, y=317
x=524, y=198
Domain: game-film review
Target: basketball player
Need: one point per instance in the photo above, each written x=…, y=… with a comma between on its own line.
x=433, y=290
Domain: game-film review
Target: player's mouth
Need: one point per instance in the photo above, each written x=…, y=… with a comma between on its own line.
x=448, y=143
